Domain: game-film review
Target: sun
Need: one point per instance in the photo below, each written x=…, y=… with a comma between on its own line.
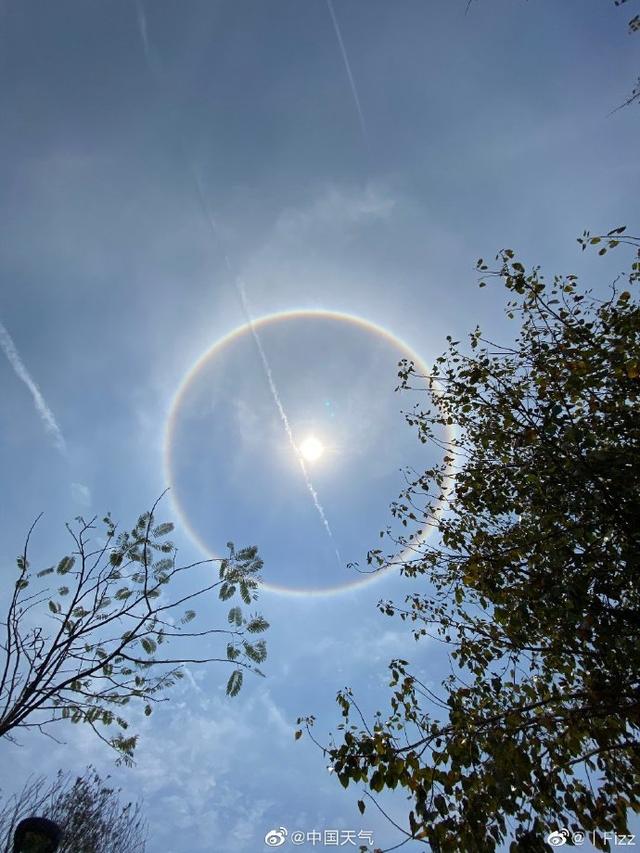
x=311, y=449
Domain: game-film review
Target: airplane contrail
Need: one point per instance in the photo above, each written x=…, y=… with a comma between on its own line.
x=285, y=419
x=144, y=36
x=352, y=82
x=50, y=423
x=154, y=69
x=267, y=368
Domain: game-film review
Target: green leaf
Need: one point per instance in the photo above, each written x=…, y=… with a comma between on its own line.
x=361, y=806
x=122, y=594
x=148, y=645
x=65, y=565
x=235, y=683
x=257, y=652
x=116, y=558
x=162, y=529
x=257, y=624
x=227, y=591
x=244, y=592
x=44, y=572
x=377, y=781
x=235, y=616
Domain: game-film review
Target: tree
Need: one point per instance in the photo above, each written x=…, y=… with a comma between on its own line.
x=535, y=581
x=109, y=620
x=89, y=813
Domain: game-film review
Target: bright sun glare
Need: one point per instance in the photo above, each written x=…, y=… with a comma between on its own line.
x=311, y=449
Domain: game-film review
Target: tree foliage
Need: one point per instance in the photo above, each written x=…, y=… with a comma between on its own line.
x=534, y=579
x=90, y=814
x=109, y=619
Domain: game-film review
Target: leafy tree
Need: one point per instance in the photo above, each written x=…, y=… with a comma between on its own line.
x=109, y=620
x=90, y=814
x=534, y=580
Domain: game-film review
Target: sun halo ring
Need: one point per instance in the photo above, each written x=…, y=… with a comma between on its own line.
x=210, y=353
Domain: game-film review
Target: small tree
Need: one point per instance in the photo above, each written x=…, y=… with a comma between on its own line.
x=89, y=813
x=535, y=582
x=110, y=620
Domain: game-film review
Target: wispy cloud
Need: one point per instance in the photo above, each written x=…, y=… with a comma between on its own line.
x=81, y=494
x=198, y=790
x=144, y=37
x=46, y=415
x=276, y=716
x=337, y=208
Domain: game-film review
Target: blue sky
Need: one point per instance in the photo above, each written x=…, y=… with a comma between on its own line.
x=465, y=133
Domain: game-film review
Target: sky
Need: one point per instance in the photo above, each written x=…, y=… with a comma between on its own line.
x=223, y=226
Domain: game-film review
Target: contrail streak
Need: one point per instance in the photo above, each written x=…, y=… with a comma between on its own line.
x=215, y=230
x=144, y=36
x=352, y=82
x=50, y=423
x=285, y=419
x=267, y=368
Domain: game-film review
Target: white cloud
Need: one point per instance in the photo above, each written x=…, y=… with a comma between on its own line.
x=194, y=775
x=366, y=645
x=336, y=208
x=247, y=828
x=81, y=494
x=192, y=680
x=250, y=426
x=275, y=715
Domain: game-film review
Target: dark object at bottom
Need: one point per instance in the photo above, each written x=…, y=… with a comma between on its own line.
x=36, y=835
